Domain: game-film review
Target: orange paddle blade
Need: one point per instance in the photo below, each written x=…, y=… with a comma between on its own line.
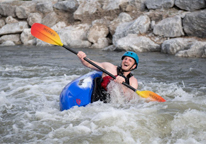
x=45, y=34
x=150, y=95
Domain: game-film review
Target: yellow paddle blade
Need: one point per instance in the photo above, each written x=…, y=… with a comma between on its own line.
x=150, y=95
x=45, y=34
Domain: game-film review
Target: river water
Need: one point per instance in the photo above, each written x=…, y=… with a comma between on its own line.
x=32, y=78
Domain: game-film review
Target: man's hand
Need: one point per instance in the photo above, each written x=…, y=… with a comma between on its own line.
x=119, y=79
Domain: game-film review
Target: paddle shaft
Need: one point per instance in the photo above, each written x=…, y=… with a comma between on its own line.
x=101, y=69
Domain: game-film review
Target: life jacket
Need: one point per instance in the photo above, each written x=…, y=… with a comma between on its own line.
x=106, y=80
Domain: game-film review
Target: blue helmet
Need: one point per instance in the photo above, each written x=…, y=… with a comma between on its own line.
x=132, y=55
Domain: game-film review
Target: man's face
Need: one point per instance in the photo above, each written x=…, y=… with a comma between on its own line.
x=127, y=63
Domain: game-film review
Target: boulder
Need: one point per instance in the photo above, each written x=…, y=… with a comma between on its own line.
x=194, y=24
x=44, y=7
x=173, y=46
x=68, y=6
x=138, y=26
x=190, y=5
x=123, y=17
x=75, y=36
x=87, y=10
x=7, y=10
x=133, y=42
x=112, y=5
x=15, y=38
x=8, y=43
x=27, y=38
x=22, y=12
x=10, y=20
x=97, y=35
x=50, y=19
x=197, y=49
x=169, y=27
x=34, y=18
x=158, y=4
x=13, y=28
x=2, y=23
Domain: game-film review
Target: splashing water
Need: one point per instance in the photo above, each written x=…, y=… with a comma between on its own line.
x=31, y=80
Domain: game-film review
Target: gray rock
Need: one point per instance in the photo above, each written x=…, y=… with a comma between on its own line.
x=13, y=28
x=138, y=26
x=190, y=5
x=197, y=49
x=132, y=42
x=44, y=7
x=7, y=10
x=173, y=46
x=97, y=35
x=194, y=24
x=169, y=27
x=158, y=4
x=34, y=18
x=75, y=36
x=50, y=19
x=69, y=6
x=14, y=38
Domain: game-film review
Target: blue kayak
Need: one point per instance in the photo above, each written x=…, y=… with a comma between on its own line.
x=79, y=91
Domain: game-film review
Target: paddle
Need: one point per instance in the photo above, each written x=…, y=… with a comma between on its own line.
x=48, y=35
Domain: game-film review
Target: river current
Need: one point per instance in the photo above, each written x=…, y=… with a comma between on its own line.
x=32, y=78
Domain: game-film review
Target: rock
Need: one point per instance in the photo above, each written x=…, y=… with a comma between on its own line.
x=2, y=23
x=87, y=9
x=27, y=38
x=138, y=26
x=194, y=24
x=69, y=6
x=169, y=27
x=13, y=28
x=123, y=17
x=59, y=26
x=7, y=43
x=190, y=5
x=133, y=42
x=111, y=5
x=109, y=48
x=173, y=46
x=158, y=4
x=10, y=20
x=44, y=7
x=22, y=12
x=50, y=19
x=14, y=38
x=7, y=10
x=97, y=35
x=75, y=36
x=197, y=49
x=34, y=18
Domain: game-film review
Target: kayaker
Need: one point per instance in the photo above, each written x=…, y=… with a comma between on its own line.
x=122, y=73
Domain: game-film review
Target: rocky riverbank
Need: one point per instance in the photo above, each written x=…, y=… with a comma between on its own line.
x=175, y=27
